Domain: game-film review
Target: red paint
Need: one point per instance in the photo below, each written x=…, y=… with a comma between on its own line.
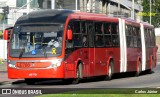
x=69, y=34
x=5, y=35
x=36, y=73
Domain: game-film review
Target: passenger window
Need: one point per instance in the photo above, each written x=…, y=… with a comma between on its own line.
x=152, y=37
x=115, y=34
x=107, y=40
x=129, y=36
x=85, y=41
x=138, y=37
x=115, y=29
x=107, y=28
x=77, y=40
x=116, y=40
x=84, y=33
x=99, y=40
x=134, y=37
x=99, y=29
x=77, y=35
x=83, y=27
x=76, y=27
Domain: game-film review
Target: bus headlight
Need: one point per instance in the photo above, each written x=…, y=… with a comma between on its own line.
x=56, y=63
x=11, y=64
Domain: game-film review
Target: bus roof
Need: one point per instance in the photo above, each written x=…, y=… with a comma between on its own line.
x=55, y=16
x=45, y=16
x=146, y=24
x=93, y=16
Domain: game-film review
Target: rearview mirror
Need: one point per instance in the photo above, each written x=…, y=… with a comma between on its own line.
x=5, y=35
x=69, y=34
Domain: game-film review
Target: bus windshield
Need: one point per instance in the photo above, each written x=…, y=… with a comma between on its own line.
x=36, y=40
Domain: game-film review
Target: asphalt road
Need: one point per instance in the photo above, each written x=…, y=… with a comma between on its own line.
x=126, y=80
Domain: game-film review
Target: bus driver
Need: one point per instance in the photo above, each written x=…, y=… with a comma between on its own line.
x=57, y=41
x=53, y=43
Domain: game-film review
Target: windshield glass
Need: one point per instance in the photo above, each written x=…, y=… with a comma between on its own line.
x=36, y=41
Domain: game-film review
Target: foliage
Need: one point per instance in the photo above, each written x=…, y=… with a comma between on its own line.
x=155, y=5
x=1, y=34
x=1, y=16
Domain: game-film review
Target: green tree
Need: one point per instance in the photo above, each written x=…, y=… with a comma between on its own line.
x=155, y=15
x=1, y=16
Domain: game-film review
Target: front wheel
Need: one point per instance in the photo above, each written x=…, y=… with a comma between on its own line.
x=78, y=76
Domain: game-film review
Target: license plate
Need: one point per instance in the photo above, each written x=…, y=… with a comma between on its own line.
x=24, y=65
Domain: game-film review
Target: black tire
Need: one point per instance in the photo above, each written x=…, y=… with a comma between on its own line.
x=139, y=69
x=29, y=81
x=110, y=71
x=78, y=76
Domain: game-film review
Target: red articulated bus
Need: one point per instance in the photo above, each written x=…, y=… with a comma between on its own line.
x=68, y=45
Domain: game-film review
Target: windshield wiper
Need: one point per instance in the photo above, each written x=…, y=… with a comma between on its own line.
x=21, y=53
x=44, y=51
x=22, y=50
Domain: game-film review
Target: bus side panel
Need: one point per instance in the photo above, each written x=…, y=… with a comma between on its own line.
x=70, y=64
x=72, y=61
x=132, y=56
x=149, y=60
x=116, y=59
x=91, y=63
x=69, y=69
x=100, y=61
x=102, y=55
x=155, y=56
x=155, y=48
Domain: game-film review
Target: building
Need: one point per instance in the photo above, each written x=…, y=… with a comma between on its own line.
x=157, y=31
x=116, y=8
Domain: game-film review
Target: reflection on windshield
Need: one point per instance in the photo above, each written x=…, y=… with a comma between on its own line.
x=36, y=41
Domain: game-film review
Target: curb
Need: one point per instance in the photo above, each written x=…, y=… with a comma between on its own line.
x=5, y=82
x=3, y=71
x=18, y=82
x=12, y=82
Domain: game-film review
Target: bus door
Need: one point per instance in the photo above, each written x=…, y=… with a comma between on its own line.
x=90, y=30
x=148, y=49
x=100, y=56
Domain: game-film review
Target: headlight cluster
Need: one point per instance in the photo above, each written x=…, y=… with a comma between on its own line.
x=56, y=63
x=11, y=64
